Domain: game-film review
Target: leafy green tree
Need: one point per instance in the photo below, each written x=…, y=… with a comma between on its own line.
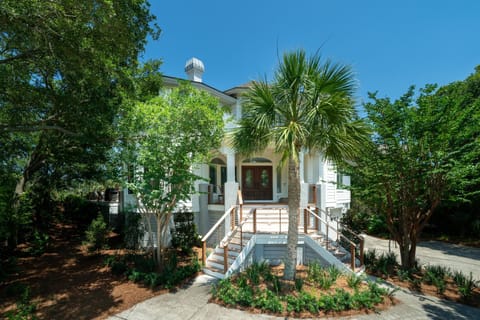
x=65, y=69
x=167, y=136
x=308, y=105
x=421, y=149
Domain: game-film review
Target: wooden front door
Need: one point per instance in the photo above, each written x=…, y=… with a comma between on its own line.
x=257, y=182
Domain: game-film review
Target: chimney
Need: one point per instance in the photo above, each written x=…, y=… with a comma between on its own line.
x=194, y=69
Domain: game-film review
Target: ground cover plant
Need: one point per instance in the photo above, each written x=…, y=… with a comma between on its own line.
x=435, y=280
x=316, y=291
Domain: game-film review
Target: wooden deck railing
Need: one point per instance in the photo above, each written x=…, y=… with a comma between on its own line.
x=353, y=246
x=234, y=212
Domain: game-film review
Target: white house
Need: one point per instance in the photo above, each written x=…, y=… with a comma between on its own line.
x=260, y=178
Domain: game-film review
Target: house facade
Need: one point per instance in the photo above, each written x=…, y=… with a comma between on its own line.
x=261, y=178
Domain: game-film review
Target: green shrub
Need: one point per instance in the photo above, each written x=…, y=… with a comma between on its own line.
x=25, y=308
x=303, y=302
x=245, y=296
x=334, y=272
x=370, y=258
x=257, y=271
x=322, y=277
x=354, y=281
x=268, y=301
x=96, y=234
x=185, y=235
x=39, y=243
x=466, y=286
x=404, y=275
x=386, y=263
x=298, y=284
x=117, y=264
x=132, y=230
x=225, y=291
x=438, y=271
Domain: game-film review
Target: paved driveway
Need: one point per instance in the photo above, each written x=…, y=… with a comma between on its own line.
x=456, y=257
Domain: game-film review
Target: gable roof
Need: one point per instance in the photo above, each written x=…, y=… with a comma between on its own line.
x=222, y=96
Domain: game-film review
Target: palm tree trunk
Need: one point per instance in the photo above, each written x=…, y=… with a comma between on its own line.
x=293, y=209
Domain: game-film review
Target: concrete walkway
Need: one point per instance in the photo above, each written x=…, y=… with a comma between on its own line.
x=191, y=302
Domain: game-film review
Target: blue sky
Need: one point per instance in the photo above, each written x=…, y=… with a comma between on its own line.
x=389, y=44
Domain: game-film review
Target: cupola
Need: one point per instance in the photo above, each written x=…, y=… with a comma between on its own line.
x=194, y=69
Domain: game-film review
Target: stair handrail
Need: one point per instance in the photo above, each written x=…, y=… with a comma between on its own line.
x=216, y=225
x=229, y=236
x=353, y=245
x=211, y=231
x=226, y=240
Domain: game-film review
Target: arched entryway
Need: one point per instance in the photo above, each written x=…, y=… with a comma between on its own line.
x=257, y=179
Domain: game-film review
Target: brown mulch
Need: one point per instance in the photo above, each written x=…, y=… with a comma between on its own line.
x=68, y=282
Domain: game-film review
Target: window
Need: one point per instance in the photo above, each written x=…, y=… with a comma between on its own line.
x=342, y=181
x=213, y=174
x=257, y=160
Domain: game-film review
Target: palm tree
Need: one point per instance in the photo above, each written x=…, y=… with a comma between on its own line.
x=308, y=106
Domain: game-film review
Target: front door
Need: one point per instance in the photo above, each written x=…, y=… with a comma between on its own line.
x=257, y=182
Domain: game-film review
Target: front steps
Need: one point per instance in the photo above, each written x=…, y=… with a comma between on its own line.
x=269, y=221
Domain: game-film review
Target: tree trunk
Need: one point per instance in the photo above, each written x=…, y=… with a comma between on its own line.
x=293, y=209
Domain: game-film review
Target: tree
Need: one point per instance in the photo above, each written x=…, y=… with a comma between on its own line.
x=65, y=69
x=168, y=135
x=308, y=105
x=420, y=148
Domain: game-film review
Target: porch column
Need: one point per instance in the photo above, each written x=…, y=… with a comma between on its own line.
x=303, y=185
x=200, y=199
x=322, y=188
x=231, y=186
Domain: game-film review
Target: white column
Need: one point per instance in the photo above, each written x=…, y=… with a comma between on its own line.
x=301, y=160
x=231, y=167
x=231, y=186
x=303, y=185
x=238, y=109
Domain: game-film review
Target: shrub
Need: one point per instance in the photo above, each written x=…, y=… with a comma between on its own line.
x=132, y=230
x=268, y=301
x=354, y=281
x=303, y=302
x=185, y=235
x=39, y=243
x=369, y=258
x=404, y=275
x=25, y=308
x=96, y=234
x=438, y=271
x=466, y=286
x=386, y=263
x=324, y=278
x=334, y=272
x=117, y=264
x=298, y=284
x=256, y=271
